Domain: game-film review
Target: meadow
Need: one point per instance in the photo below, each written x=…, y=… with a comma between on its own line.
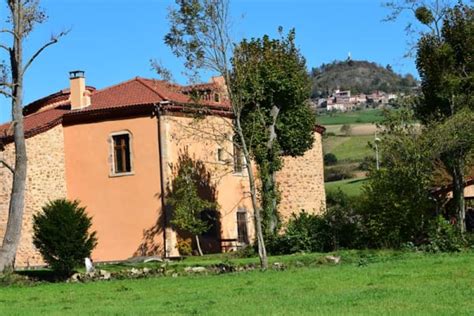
x=366, y=282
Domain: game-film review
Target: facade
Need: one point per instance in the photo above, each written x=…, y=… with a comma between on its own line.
x=116, y=150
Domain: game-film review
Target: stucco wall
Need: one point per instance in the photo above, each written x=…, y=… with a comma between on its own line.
x=125, y=209
x=301, y=182
x=45, y=182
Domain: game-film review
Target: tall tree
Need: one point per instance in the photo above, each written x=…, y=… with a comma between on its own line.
x=272, y=79
x=445, y=62
x=200, y=33
x=24, y=15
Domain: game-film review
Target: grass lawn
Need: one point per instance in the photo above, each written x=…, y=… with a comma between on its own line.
x=366, y=283
x=355, y=117
x=351, y=187
x=351, y=148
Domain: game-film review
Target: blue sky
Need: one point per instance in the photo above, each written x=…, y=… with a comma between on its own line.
x=114, y=40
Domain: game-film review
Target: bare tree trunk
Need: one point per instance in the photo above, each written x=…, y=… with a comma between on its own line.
x=271, y=177
x=262, y=252
x=17, y=198
x=198, y=243
x=458, y=193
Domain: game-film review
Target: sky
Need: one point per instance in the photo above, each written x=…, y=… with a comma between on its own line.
x=114, y=40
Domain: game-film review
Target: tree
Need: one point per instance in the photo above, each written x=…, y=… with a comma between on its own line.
x=188, y=206
x=445, y=63
x=346, y=129
x=200, y=33
x=271, y=77
x=396, y=205
x=61, y=234
x=24, y=15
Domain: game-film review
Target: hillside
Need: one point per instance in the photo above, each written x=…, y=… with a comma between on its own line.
x=359, y=77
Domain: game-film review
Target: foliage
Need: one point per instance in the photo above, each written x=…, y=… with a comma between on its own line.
x=350, y=117
x=273, y=85
x=62, y=235
x=338, y=227
x=358, y=77
x=444, y=61
x=184, y=246
x=330, y=159
x=444, y=237
x=346, y=129
x=337, y=173
x=396, y=203
x=187, y=204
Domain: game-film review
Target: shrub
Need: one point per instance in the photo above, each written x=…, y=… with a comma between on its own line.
x=367, y=163
x=61, y=234
x=337, y=173
x=346, y=129
x=184, y=247
x=330, y=159
x=444, y=237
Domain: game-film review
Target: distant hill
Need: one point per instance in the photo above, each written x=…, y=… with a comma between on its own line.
x=359, y=76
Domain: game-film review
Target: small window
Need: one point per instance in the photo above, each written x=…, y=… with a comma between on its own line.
x=122, y=162
x=242, y=234
x=217, y=97
x=238, y=159
x=220, y=155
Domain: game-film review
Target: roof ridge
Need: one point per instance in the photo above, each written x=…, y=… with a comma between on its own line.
x=141, y=80
x=116, y=85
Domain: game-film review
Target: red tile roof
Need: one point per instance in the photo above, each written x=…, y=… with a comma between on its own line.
x=135, y=96
x=49, y=111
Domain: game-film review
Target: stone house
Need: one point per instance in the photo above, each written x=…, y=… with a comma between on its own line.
x=117, y=148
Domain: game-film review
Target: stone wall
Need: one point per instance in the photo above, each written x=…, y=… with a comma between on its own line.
x=301, y=182
x=45, y=182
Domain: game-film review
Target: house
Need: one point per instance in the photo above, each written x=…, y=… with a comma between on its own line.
x=117, y=149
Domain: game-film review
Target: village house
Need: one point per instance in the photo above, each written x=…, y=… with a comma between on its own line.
x=117, y=149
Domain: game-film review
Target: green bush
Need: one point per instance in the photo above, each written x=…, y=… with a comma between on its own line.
x=339, y=227
x=337, y=173
x=330, y=159
x=444, y=237
x=61, y=234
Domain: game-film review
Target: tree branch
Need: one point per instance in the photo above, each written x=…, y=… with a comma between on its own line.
x=3, y=162
x=54, y=40
x=8, y=49
x=6, y=93
x=8, y=31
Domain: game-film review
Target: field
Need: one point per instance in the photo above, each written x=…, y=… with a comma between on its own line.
x=351, y=187
x=355, y=117
x=366, y=283
x=352, y=148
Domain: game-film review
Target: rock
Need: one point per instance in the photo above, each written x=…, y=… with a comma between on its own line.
x=174, y=275
x=135, y=271
x=278, y=266
x=153, y=259
x=146, y=270
x=195, y=269
x=76, y=277
x=333, y=259
x=90, y=275
x=105, y=275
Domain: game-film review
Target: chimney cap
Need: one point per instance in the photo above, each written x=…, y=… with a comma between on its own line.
x=76, y=74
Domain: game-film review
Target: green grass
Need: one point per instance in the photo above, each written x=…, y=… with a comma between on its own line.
x=355, y=117
x=367, y=283
x=351, y=148
x=351, y=187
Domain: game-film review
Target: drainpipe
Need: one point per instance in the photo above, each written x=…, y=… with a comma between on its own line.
x=162, y=175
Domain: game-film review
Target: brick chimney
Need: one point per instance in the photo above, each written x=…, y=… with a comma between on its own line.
x=80, y=97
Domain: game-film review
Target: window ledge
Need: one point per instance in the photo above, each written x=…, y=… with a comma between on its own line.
x=122, y=174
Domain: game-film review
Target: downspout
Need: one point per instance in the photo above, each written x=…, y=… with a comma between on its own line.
x=162, y=178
